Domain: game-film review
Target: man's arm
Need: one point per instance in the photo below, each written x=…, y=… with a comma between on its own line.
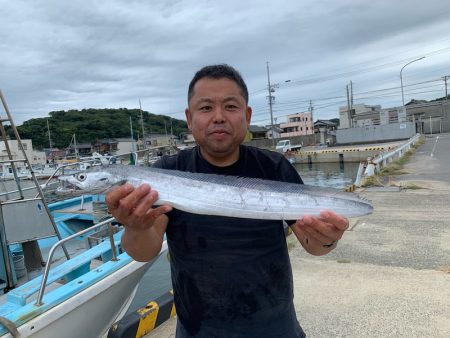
x=144, y=226
x=319, y=235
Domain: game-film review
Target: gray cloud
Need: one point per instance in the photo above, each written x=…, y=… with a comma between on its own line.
x=79, y=54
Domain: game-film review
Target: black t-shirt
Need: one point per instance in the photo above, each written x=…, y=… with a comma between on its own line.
x=231, y=277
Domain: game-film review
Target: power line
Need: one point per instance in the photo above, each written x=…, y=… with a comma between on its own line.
x=318, y=79
x=299, y=105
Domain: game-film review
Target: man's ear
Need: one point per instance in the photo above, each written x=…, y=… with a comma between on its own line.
x=248, y=115
x=188, y=118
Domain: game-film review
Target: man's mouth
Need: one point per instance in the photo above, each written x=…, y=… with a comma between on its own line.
x=219, y=132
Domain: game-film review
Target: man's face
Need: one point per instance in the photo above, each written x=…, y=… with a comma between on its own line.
x=218, y=117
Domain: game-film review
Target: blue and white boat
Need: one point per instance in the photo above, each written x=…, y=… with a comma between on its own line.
x=77, y=297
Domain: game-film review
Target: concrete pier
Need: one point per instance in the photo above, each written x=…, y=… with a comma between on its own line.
x=354, y=153
x=390, y=274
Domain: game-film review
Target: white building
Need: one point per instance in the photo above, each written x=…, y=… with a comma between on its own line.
x=33, y=156
x=360, y=115
x=125, y=145
x=297, y=125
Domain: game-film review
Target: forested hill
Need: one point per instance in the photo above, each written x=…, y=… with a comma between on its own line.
x=90, y=125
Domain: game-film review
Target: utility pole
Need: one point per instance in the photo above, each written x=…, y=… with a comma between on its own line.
x=351, y=94
x=269, y=87
x=350, y=119
x=142, y=125
x=311, y=109
x=445, y=82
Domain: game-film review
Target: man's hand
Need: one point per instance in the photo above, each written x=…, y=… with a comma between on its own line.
x=133, y=207
x=144, y=226
x=319, y=235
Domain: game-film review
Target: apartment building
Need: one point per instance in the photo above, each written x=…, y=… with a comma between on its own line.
x=297, y=125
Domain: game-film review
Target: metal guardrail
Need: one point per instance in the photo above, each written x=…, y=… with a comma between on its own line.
x=57, y=244
x=383, y=159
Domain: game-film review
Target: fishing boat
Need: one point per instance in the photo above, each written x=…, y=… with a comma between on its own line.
x=6, y=172
x=63, y=272
x=98, y=279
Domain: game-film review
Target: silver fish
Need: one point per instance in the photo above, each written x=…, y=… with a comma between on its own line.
x=220, y=195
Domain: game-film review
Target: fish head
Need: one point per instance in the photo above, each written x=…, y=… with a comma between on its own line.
x=88, y=182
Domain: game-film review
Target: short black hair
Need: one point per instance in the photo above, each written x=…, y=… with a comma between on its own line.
x=218, y=72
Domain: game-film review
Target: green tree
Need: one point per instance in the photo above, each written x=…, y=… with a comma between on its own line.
x=90, y=125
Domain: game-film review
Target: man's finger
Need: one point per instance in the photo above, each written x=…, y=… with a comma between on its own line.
x=313, y=231
x=155, y=213
x=338, y=221
x=132, y=200
x=145, y=204
x=114, y=196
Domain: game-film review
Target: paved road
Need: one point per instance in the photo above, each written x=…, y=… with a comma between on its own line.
x=408, y=227
x=390, y=275
x=432, y=160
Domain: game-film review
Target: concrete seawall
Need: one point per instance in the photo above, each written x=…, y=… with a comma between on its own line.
x=341, y=154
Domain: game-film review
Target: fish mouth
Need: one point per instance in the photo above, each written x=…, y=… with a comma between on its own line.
x=67, y=188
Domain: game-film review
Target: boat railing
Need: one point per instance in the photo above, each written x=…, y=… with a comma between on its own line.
x=59, y=243
x=62, y=168
x=43, y=186
x=94, y=161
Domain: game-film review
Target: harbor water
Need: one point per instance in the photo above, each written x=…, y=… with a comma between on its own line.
x=157, y=280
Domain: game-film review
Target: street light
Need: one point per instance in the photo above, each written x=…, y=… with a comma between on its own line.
x=401, y=79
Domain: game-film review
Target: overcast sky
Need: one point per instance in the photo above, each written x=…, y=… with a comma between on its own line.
x=60, y=55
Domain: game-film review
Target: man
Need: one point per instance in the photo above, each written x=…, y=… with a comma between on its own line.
x=231, y=277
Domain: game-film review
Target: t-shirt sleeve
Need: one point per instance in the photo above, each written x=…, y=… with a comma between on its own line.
x=165, y=162
x=158, y=164
x=287, y=172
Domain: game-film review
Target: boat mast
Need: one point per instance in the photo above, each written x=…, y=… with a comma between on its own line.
x=49, y=137
x=75, y=147
x=132, y=137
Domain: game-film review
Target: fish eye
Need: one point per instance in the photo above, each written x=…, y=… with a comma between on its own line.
x=81, y=177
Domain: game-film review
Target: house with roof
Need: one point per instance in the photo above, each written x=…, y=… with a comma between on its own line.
x=325, y=131
x=256, y=133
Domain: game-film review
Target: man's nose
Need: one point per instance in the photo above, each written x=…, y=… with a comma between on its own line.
x=219, y=115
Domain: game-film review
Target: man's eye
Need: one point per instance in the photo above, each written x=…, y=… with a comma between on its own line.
x=231, y=107
x=205, y=108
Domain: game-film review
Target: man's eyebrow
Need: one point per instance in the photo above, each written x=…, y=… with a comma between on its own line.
x=204, y=99
x=208, y=100
x=231, y=98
